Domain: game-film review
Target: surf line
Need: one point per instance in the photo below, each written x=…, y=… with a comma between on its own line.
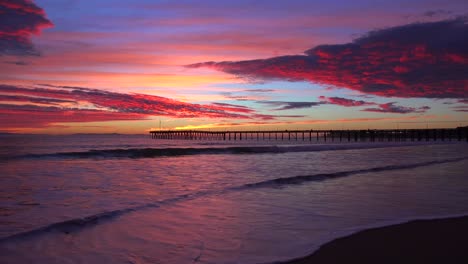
x=78, y=224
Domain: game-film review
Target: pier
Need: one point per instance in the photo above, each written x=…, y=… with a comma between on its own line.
x=368, y=135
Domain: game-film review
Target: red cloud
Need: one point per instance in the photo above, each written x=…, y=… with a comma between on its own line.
x=20, y=19
x=77, y=104
x=126, y=103
x=27, y=116
x=417, y=60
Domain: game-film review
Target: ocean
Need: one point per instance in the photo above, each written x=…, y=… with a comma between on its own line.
x=133, y=199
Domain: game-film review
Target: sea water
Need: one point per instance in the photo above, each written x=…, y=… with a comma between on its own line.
x=133, y=199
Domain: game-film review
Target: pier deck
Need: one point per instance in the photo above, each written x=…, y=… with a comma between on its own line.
x=370, y=135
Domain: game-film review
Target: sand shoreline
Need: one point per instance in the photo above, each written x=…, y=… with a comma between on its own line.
x=420, y=241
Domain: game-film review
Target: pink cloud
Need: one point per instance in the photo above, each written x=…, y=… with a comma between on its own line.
x=20, y=20
x=50, y=104
x=33, y=116
x=427, y=60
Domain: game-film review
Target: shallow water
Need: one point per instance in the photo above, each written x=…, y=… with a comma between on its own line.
x=224, y=206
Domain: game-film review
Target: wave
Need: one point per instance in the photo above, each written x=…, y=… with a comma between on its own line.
x=327, y=176
x=136, y=153
x=73, y=225
x=77, y=224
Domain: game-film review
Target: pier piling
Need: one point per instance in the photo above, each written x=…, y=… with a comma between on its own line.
x=459, y=134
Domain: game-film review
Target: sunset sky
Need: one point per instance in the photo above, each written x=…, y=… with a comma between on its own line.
x=79, y=66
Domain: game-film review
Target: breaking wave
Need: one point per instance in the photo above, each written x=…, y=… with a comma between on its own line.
x=78, y=224
x=136, y=153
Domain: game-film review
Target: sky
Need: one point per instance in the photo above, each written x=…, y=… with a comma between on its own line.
x=118, y=66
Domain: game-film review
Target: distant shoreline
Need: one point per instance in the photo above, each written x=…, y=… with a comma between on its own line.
x=420, y=241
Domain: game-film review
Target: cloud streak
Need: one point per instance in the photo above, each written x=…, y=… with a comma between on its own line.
x=460, y=108
x=259, y=90
x=283, y=105
x=241, y=96
x=34, y=116
x=345, y=102
x=419, y=60
x=20, y=19
x=29, y=99
x=395, y=109
x=41, y=106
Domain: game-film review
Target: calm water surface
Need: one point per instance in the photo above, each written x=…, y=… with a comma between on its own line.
x=268, y=201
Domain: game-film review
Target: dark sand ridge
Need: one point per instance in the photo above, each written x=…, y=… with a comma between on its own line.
x=420, y=241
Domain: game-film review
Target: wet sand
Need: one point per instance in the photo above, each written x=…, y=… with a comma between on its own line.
x=420, y=241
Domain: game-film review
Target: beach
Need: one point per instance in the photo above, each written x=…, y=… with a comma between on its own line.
x=420, y=241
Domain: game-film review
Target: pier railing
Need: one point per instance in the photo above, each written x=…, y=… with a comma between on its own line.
x=369, y=135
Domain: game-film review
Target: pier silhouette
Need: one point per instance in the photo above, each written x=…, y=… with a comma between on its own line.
x=368, y=135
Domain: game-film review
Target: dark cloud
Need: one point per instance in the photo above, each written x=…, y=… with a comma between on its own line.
x=19, y=63
x=283, y=105
x=460, y=108
x=380, y=108
x=240, y=97
x=274, y=117
x=395, y=109
x=233, y=107
x=19, y=20
x=38, y=100
x=365, y=96
x=230, y=105
x=345, y=102
x=291, y=116
x=458, y=101
x=259, y=90
x=438, y=12
x=428, y=60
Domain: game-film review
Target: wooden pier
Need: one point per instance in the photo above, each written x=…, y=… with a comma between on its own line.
x=444, y=134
